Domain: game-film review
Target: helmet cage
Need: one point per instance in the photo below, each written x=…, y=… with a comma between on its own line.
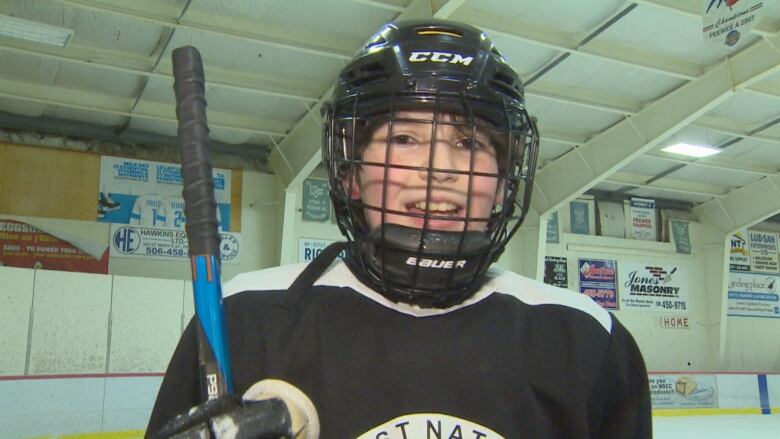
x=431, y=268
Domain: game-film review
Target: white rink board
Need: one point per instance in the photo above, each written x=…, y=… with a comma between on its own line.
x=70, y=322
x=15, y=301
x=145, y=323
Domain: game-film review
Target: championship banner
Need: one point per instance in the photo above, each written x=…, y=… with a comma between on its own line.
x=654, y=287
x=148, y=194
x=753, y=295
x=316, y=200
x=642, y=219
x=598, y=280
x=683, y=391
x=681, y=236
x=727, y=21
x=739, y=255
x=310, y=248
x=553, y=231
x=25, y=246
x=150, y=242
x=763, y=251
x=555, y=272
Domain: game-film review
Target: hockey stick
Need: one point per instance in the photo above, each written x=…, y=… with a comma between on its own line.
x=200, y=209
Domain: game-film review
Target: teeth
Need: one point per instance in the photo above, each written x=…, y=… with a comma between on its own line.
x=433, y=206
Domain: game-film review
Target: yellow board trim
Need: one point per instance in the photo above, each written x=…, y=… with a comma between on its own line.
x=130, y=434
x=712, y=411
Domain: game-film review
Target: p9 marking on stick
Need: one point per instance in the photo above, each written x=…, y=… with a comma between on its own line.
x=200, y=208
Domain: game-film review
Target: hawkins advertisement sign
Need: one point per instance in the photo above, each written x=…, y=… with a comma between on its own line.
x=149, y=242
x=654, y=287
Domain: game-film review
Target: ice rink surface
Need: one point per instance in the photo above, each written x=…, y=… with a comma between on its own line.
x=717, y=427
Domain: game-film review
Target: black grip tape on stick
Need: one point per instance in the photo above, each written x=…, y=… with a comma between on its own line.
x=200, y=205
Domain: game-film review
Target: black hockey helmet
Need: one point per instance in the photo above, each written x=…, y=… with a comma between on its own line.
x=452, y=73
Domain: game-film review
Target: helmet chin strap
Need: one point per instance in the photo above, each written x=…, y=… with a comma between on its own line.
x=407, y=265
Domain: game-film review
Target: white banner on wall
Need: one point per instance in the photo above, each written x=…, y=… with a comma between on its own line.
x=148, y=194
x=739, y=253
x=683, y=391
x=727, y=21
x=310, y=248
x=753, y=295
x=763, y=251
x=150, y=242
x=642, y=219
x=654, y=287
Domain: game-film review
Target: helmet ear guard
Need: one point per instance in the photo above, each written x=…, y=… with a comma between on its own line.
x=409, y=66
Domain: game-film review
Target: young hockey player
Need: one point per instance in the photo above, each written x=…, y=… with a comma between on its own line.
x=431, y=156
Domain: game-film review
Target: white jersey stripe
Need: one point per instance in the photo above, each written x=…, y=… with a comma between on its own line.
x=499, y=281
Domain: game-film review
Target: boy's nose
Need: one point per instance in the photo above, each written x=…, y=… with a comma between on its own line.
x=442, y=156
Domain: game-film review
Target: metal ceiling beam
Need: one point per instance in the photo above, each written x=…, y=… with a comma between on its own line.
x=109, y=105
x=584, y=167
x=300, y=150
x=443, y=9
x=625, y=107
x=723, y=164
x=563, y=41
x=381, y=5
x=80, y=136
x=743, y=207
x=672, y=186
x=341, y=53
x=82, y=57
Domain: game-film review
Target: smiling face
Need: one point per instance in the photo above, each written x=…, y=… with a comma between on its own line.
x=455, y=195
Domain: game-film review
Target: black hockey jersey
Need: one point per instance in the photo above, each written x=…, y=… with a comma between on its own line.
x=520, y=359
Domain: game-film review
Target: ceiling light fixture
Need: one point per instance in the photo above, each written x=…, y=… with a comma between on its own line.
x=34, y=31
x=690, y=150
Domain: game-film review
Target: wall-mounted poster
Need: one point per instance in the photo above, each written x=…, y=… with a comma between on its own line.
x=25, y=246
x=148, y=194
x=598, y=280
x=661, y=287
x=753, y=295
x=739, y=255
x=642, y=219
x=553, y=231
x=555, y=272
x=683, y=391
x=763, y=251
x=681, y=236
x=150, y=242
x=579, y=217
x=310, y=248
x=316, y=200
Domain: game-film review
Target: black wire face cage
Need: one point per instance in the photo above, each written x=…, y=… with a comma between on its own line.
x=415, y=253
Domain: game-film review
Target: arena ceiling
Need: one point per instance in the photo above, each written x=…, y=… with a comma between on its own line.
x=612, y=82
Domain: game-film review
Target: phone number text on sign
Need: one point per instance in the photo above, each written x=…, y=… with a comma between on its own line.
x=149, y=242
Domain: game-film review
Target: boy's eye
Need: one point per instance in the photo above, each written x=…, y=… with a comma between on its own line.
x=401, y=139
x=469, y=143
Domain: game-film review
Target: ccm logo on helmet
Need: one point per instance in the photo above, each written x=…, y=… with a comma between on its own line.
x=435, y=263
x=452, y=58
